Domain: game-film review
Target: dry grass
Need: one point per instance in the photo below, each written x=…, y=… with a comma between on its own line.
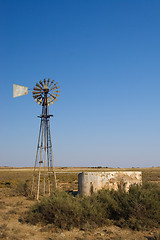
x=67, y=176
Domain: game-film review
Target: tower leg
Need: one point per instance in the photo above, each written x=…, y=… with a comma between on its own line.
x=40, y=162
x=34, y=171
x=48, y=168
x=53, y=168
x=45, y=146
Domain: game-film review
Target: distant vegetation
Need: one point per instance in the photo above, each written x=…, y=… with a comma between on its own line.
x=138, y=209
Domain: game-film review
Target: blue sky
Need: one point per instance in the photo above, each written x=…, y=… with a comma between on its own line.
x=105, y=56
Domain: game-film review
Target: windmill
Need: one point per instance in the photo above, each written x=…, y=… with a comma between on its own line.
x=44, y=178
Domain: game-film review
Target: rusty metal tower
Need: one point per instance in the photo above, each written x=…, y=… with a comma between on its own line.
x=44, y=178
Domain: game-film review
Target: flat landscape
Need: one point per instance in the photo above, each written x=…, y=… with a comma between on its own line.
x=14, y=201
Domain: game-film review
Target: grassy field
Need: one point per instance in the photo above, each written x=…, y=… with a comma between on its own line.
x=13, y=204
x=67, y=177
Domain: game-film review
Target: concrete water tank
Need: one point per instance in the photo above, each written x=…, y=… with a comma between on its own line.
x=90, y=182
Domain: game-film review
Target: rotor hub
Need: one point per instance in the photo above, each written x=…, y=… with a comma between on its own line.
x=45, y=89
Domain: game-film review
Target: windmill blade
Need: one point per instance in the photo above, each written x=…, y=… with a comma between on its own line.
x=56, y=91
x=54, y=94
x=41, y=83
x=39, y=86
x=19, y=90
x=51, y=83
x=37, y=89
x=55, y=99
x=37, y=99
x=36, y=92
x=51, y=100
x=36, y=96
x=40, y=101
x=54, y=86
x=44, y=81
x=48, y=81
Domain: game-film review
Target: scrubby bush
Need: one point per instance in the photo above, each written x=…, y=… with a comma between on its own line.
x=155, y=237
x=23, y=188
x=138, y=209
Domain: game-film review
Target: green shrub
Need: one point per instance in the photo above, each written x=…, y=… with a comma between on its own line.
x=138, y=209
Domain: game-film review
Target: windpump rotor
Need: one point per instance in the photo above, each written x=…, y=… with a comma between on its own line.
x=45, y=92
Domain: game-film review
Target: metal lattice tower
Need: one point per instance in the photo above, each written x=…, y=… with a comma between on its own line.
x=44, y=176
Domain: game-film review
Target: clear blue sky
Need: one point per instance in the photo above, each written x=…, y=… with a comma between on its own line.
x=106, y=57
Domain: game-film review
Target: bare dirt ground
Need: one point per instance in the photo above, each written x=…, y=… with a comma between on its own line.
x=12, y=206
